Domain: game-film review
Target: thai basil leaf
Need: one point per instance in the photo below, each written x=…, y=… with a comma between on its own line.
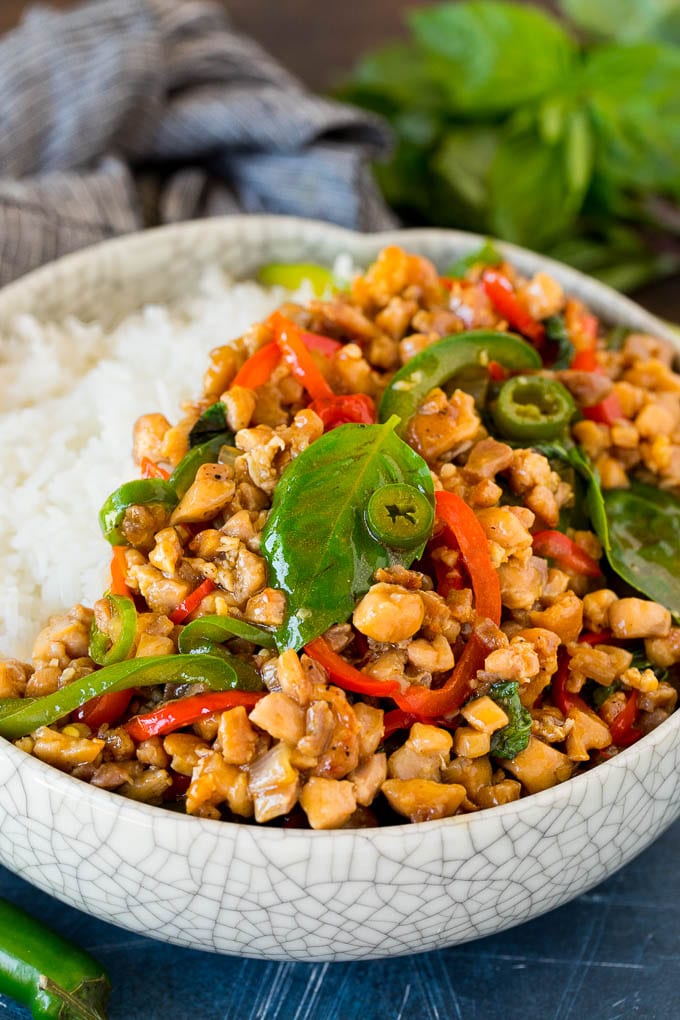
x=644, y=533
x=463, y=160
x=556, y=332
x=213, y=422
x=487, y=255
x=599, y=694
x=494, y=56
x=571, y=454
x=621, y=19
x=641, y=662
x=513, y=738
x=617, y=337
x=316, y=542
x=540, y=204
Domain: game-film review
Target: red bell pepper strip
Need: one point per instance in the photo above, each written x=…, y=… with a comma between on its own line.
x=428, y=705
x=106, y=708
x=179, y=786
x=589, y=327
x=621, y=729
x=466, y=531
x=562, y=698
x=151, y=470
x=347, y=676
x=460, y=521
x=421, y=702
x=497, y=373
x=186, y=711
x=585, y=361
x=397, y=720
x=119, y=571
x=607, y=412
x=192, y=601
x=502, y=295
x=324, y=344
x=288, y=337
x=567, y=554
x=258, y=368
x=601, y=637
x=357, y=408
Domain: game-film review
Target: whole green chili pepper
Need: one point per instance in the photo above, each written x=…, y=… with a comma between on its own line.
x=41, y=970
x=400, y=516
x=183, y=476
x=21, y=716
x=443, y=360
x=533, y=407
x=142, y=492
x=102, y=649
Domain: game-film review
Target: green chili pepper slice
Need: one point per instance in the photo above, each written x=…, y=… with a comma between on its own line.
x=102, y=649
x=205, y=635
x=222, y=628
x=292, y=275
x=215, y=671
x=533, y=407
x=443, y=360
x=142, y=492
x=400, y=516
x=182, y=478
x=49, y=975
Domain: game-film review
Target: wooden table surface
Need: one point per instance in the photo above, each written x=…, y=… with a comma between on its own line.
x=319, y=40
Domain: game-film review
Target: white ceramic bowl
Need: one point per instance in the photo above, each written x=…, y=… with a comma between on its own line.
x=293, y=894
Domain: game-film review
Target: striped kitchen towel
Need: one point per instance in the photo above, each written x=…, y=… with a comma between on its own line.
x=121, y=114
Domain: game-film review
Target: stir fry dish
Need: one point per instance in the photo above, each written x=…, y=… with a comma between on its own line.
x=414, y=552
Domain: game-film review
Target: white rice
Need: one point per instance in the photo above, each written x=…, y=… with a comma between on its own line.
x=69, y=396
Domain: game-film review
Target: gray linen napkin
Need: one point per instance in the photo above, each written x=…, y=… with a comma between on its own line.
x=121, y=114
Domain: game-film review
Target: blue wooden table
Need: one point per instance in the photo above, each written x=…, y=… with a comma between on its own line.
x=613, y=954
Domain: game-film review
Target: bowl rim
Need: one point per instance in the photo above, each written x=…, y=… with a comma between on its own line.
x=154, y=815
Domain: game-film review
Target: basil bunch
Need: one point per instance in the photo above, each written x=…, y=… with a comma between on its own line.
x=507, y=124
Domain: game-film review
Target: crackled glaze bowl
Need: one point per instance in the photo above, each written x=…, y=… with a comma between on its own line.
x=293, y=894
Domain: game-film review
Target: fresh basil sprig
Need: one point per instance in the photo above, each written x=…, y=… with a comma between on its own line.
x=516, y=124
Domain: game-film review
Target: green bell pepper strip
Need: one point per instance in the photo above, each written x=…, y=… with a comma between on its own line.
x=533, y=407
x=182, y=478
x=102, y=650
x=213, y=670
x=45, y=973
x=292, y=275
x=400, y=516
x=222, y=628
x=142, y=492
x=442, y=360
